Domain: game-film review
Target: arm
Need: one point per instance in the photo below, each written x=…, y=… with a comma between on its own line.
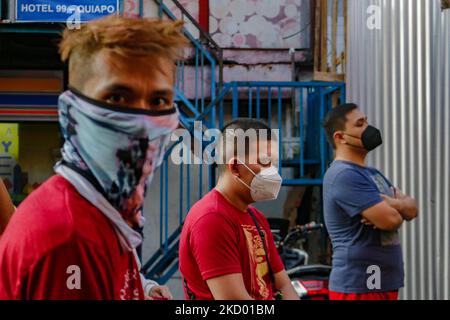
x=404, y=204
x=214, y=247
x=228, y=287
x=383, y=216
x=358, y=195
x=6, y=207
x=152, y=290
x=283, y=283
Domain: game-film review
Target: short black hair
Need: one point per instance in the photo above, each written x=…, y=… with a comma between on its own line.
x=245, y=124
x=335, y=120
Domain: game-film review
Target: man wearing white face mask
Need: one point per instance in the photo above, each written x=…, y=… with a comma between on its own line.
x=74, y=237
x=227, y=251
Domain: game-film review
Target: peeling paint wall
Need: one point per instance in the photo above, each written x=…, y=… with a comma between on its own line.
x=131, y=8
x=249, y=60
x=260, y=23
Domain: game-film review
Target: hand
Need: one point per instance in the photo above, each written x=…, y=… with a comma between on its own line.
x=398, y=194
x=367, y=223
x=160, y=293
x=395, y=203
x=404, y=204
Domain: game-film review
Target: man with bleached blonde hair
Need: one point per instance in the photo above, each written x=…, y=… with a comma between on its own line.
x=73, y=237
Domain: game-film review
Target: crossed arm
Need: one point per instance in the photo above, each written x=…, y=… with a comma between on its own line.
x=390, y=214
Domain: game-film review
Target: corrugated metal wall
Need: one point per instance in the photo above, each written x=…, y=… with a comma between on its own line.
x=442, y=149
x=392, y=75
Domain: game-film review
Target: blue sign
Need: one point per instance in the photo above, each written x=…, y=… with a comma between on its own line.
x=72, y=11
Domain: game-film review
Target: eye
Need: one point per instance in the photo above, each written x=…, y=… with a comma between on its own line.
x=116, y=99
x=160, y=103
x=361, y=123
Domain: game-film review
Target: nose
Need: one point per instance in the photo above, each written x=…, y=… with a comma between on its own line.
x=366, y=124
x=143, y=104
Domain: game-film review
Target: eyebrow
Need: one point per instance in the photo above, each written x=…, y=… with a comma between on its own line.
x=127, y=89
x=118, y=87
x=361, y=119
x=162, y=92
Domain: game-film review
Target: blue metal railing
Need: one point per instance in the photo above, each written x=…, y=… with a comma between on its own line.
x=164, y=263
x=264, y=100
x=312, y=98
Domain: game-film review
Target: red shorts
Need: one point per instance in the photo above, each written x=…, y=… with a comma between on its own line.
x=388, y=295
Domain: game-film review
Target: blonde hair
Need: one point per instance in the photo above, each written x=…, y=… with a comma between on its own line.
x=123, y=36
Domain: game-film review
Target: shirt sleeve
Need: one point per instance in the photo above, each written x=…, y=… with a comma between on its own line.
x=354, y=192
x=213, y=243
x=147, y=285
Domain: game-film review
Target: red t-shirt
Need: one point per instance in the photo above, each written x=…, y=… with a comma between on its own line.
x=217, y=239
x=58, y=246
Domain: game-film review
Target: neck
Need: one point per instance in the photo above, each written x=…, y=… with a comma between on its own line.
x=234, y=198
x=350, y=156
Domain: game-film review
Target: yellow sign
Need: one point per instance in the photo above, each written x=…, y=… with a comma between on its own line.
x=9, y=139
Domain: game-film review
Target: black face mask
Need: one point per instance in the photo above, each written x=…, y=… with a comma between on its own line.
x=371, y=138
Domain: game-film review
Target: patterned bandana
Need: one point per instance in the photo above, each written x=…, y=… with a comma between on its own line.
x=116, y=148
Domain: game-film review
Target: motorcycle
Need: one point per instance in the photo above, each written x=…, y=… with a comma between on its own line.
x=309, y=281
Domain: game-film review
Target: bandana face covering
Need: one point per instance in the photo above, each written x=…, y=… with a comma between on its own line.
x=119, y=147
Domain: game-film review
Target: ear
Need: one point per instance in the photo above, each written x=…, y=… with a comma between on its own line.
x=338, y=137
x=233, y=167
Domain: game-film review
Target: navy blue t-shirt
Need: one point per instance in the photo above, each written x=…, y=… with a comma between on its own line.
x=348, y=190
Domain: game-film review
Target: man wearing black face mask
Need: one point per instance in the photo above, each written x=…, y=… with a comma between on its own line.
x=363, y=212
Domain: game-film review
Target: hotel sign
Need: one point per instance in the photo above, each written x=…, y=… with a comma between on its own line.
x=64, y=10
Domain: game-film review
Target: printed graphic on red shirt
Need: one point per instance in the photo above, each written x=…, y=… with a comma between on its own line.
x=257, y=257
x=130, y=291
